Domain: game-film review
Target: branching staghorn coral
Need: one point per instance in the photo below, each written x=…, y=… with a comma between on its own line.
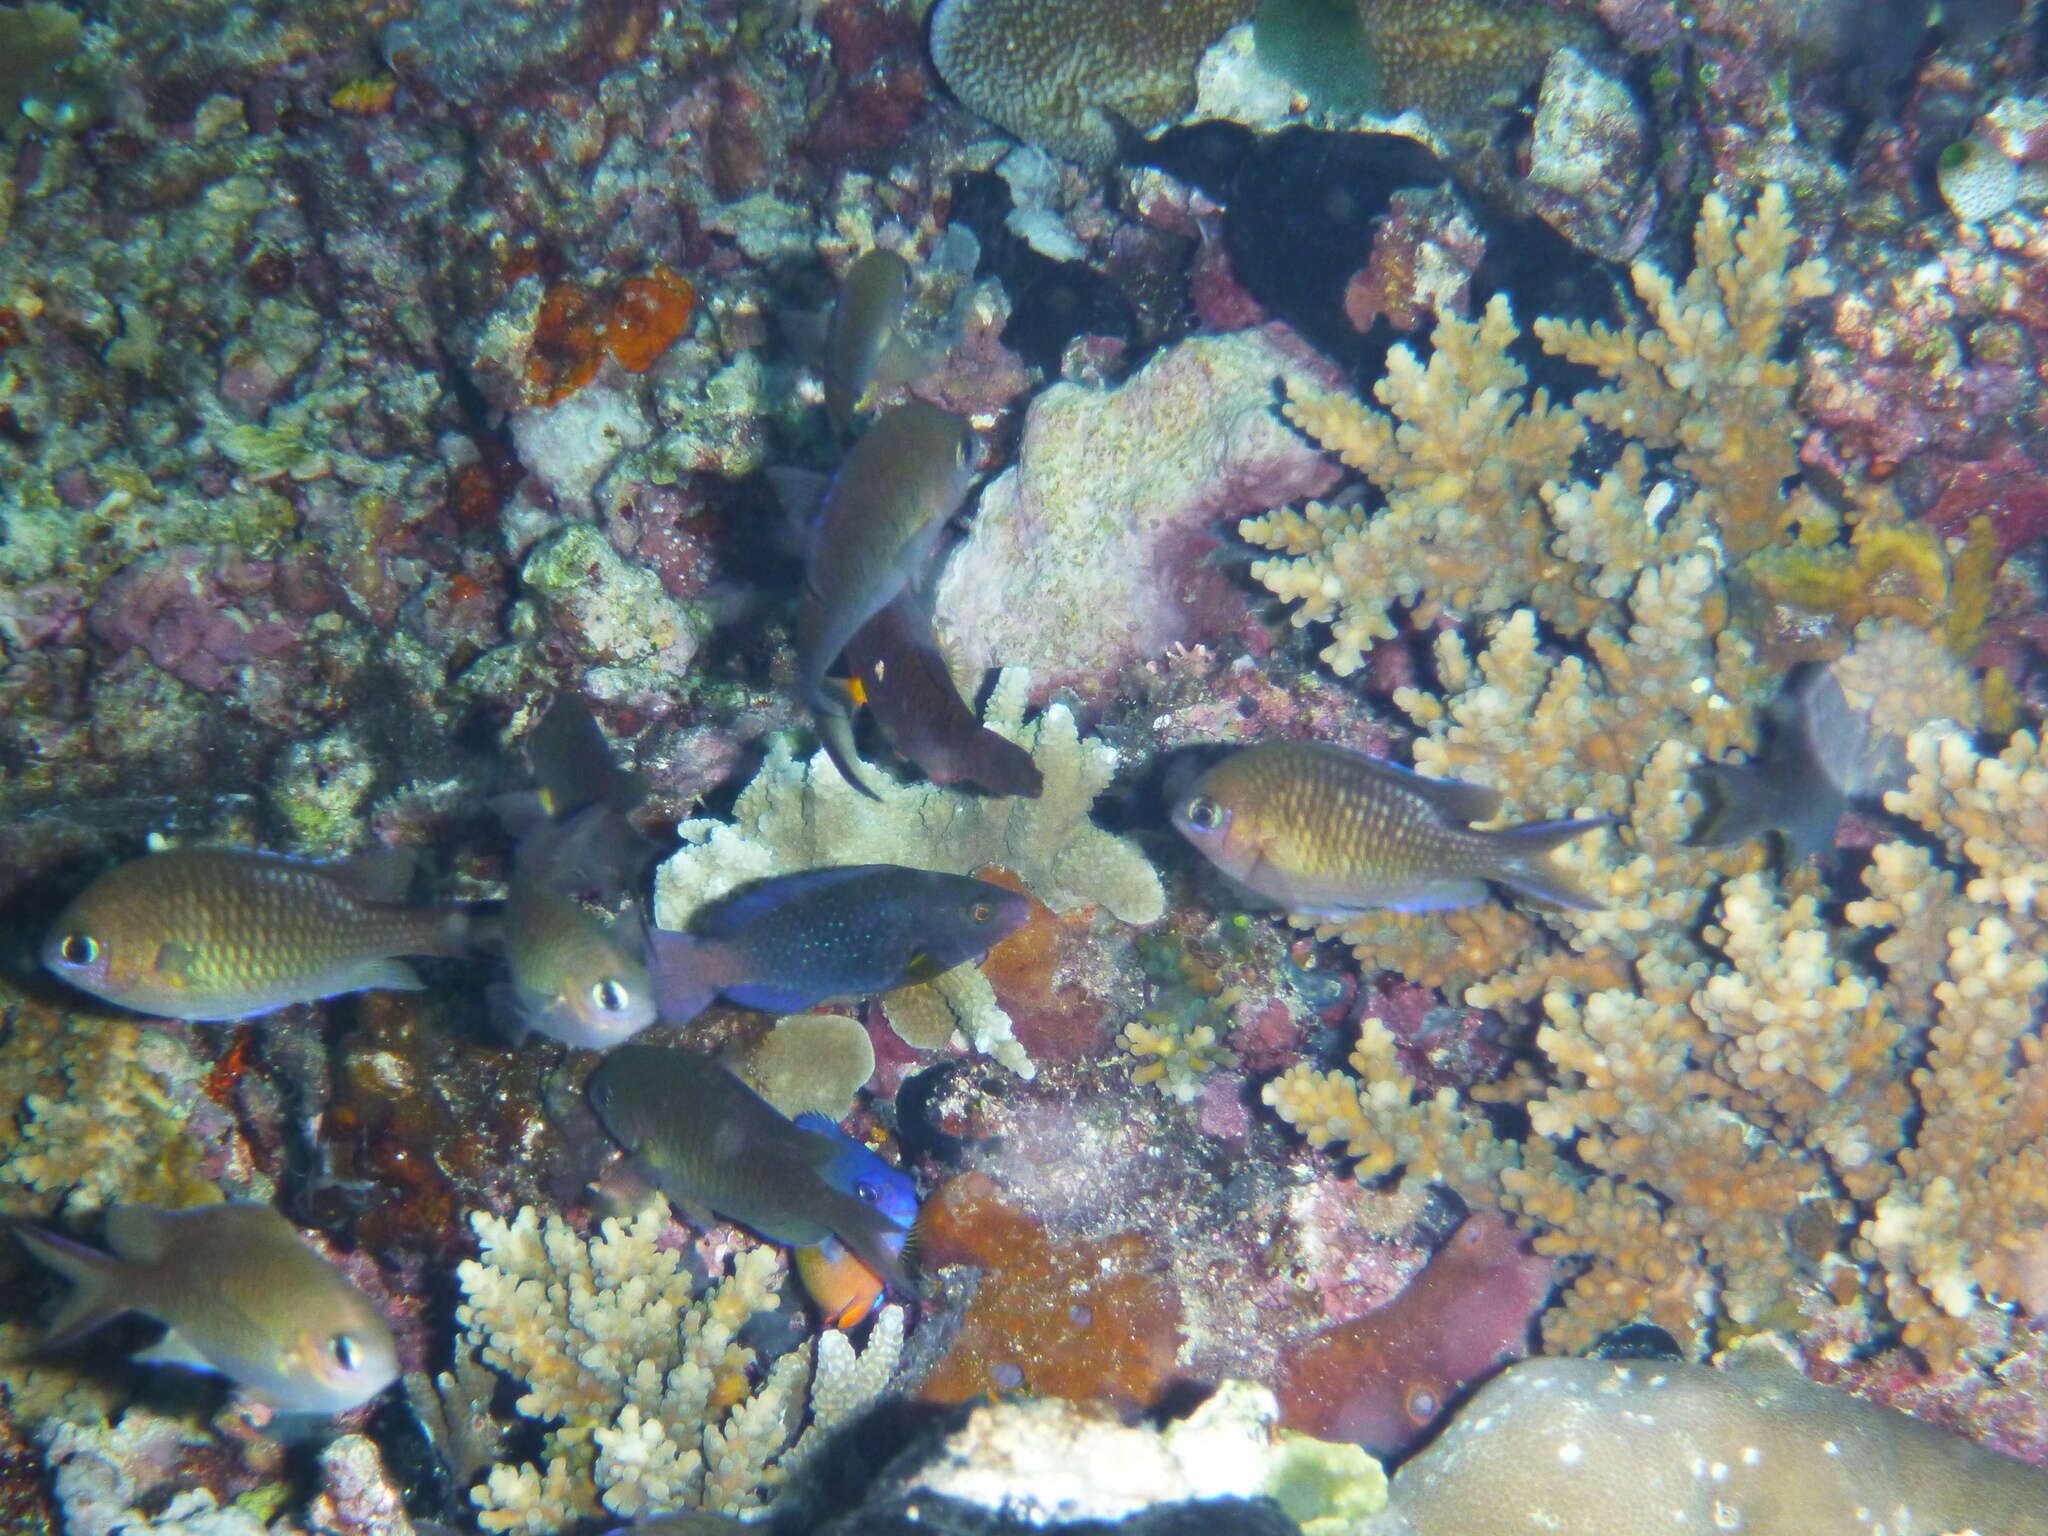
x=655, y=1405
x=1907, y=1094
x=1721, y=1063
x=796, y=816
x=1481, y=512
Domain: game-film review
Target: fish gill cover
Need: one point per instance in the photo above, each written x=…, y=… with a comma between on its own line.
x=376, y=382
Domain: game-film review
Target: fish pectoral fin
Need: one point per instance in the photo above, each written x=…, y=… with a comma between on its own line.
x=175, y=1349
x=176, y=961
x=506, y=1009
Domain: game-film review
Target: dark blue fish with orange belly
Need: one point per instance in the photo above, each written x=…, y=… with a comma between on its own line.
x=843, y=1288
x=712, y=1144
x=785, y=944
x=1329, y=832
x=880, y=523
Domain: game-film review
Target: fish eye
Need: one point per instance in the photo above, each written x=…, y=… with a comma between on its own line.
x=982, y=912
x=609, y=995
x=78, y=949
x=869, y=1191
x=1203, y=814
x=346, y=1352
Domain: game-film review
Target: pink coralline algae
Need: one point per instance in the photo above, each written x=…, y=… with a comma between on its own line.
x=1117, y=500
x=203, y=615
x=1383, y=1379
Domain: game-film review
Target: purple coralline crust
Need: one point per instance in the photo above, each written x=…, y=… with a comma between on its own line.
x=201, y=615
x=1092, y=555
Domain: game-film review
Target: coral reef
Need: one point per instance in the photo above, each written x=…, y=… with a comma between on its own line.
x=1481, y=511
x=641, y=1374
x=1053, y=75
x=1133, y=480
x=1750, y=1446
x=1091, y=1320
x=800, y=815
x=1050, y=1463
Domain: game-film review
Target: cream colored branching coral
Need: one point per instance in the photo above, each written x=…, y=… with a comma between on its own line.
x=1481, y=511
x=796, y=816
x=654, y=1401
x=1715, y=1103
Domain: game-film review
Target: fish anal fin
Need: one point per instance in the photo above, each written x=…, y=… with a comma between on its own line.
x=505, y=1007
x=175, y=1349
x=384, y=973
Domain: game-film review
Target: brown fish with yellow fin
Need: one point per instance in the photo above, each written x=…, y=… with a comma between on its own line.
x=1330, y=832
x=880, y=523
x=227, y=933
x=242, y=1295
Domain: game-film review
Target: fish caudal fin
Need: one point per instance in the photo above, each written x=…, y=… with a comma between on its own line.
x=834, y=722
x=95, y=1283
x=1526, y=864
x=680, y=965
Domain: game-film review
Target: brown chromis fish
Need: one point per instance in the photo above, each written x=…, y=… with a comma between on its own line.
x=573, y=979
x=863, y=339
x=713, y=1144
x=1818, y=757
x=1330, y=832
x=224, y=933
x=574, y=976
x=242, y=1294
x=903, y=678
x=844, y=1289
x=880, y=522
x=785, y=944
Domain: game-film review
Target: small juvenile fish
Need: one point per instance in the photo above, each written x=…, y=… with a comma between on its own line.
x=880, y=522
x=872, y=297
x=713, y=1144
x=222, y=933
x=571, y=978
x=904, y=679
x=788, y=943
x=1818, y=757
x=845, y=1289
x=1330, y=832
x=242, y=1294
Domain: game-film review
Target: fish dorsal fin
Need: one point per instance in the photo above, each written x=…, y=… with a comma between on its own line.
x=734, y=914
x=376, y=874
x=1454, y=799
x=139, y=1234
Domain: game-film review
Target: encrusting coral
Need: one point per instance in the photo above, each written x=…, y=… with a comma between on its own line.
x=1052, y=74
x=642, y=1374
x=1721, y=1064
x=800, y=815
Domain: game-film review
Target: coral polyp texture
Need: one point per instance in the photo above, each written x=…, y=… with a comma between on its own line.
x=1054, y=75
